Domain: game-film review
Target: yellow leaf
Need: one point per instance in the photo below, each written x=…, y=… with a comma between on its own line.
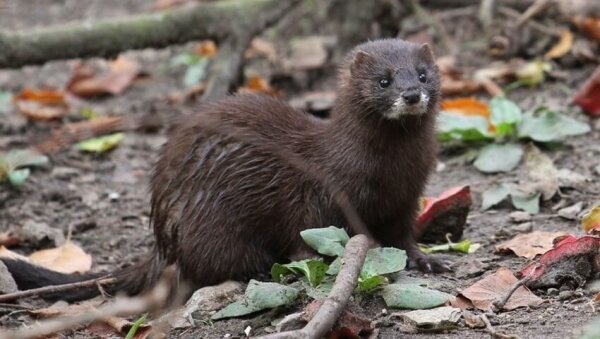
x=533, y=73
x=591, y=220
x=68, y=258
x=562, y=47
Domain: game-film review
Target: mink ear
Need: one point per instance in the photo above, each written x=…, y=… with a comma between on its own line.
x=361, y=59
x=427, y=53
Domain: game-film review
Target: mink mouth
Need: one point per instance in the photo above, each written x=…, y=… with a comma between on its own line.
x=400, y=107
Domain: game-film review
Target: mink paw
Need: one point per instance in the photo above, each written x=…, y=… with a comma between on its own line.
x=428, y=264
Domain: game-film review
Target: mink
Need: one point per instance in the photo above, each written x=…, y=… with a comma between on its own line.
x=226, y=205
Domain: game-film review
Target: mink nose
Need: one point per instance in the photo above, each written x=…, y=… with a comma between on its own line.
x=411, y=96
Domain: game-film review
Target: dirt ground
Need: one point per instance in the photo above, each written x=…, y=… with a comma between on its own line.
x=79, y=189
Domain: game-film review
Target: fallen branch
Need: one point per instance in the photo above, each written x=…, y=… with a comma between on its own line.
x=152, y=301
x=107, y=38
x=492, y=331
x=335, y=303
x=55, y=288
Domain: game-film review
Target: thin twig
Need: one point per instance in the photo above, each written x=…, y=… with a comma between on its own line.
x=531, y=23
x=536, y=8
x=424, y=15
x=335, y=303
x=55, y=288
x=149, y=302
x=499, y=304
x=492, y=331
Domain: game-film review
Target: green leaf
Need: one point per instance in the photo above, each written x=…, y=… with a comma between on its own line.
x=505, y=115
x=368, y=285
x=383, y=260
x=334, y=267
x=452, y=126
x=319, y=292
x=259, y=296
x=548, y=126
x=528, y=202
x=20, y=158
x=413, y=296
x=17, y=177
x=101, y=144
x=136, y=325
x=5, y=101
x=314, y=270
x=464, y=246
x=185, y=59
x=494, y=195
x=328, y=241
x=88, y=113
x=195, y=73
x=499, y=158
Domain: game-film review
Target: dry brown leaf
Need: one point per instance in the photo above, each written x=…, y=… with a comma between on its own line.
x=74, y=132
x=122, y=72
x=206, y=49
x=494, y=287
x=67, y=258
x=258, y=84
x=563, y=46
x=461, y=302
x=260, y=46
x=41, y=105
x=529, y=245
x=588, y=25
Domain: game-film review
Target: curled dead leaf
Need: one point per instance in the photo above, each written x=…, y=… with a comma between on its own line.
x=529, y=245
x=122, y=71
x=67, y=258
x=563, y=46
x=206, y=49
x=494, y=287
x=41, y=105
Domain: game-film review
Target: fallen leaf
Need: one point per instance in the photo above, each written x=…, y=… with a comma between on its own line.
x=263, y=47
x=545, y=125
x=257, y=84
x=413, y=296
x=77, y=131
x=120, y=76
x=571, y=262
x=41, y=105
x=591, y=220
x=67, y=258
x=562, y=47
x=101, y=144
x=440, y=319
x=541, y=171
x=313, y=269
x=453, y=126
x=526, y=201
x=467, y=106
x=588, y=96
x=383, y=260
x=444, y=214
x=494, y=287
x=494, y=195
x=529, y=245
x=505, y=115
x=328, y=241
x=258, y=296
x=461, y=302
x=206, y=49
x=464, y=246
x=533, y=73
x=495, y=158
x=588, y=25
x=309, y=53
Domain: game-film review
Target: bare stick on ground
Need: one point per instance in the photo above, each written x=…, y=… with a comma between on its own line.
x=107, y=38
x=500, y=303
x=154, y=300
x=56, y=288
x=335, y=303
x=492, y=331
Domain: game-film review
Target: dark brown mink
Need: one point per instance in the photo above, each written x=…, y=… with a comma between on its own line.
x=225, y=208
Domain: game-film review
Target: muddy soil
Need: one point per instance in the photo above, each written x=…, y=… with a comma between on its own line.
x=105, y=197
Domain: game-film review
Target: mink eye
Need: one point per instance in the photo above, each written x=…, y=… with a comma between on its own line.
x=384, y=82
x=422, y=76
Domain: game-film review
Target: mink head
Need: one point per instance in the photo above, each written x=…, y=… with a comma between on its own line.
x=391, y=78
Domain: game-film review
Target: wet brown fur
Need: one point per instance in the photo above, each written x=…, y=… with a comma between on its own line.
x=224, y=206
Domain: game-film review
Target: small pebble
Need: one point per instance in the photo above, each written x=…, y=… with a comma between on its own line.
x=520, y=216
x=565, y=295
x=247, y=331
x=113, y=196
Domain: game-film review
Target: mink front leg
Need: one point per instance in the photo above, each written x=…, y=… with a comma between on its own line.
x=401, y=234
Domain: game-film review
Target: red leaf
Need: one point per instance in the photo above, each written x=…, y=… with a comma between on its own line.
x=572, y=257
x=444, y=214
x=588, y=96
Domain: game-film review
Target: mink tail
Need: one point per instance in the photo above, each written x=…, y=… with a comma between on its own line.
x=131, y=280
